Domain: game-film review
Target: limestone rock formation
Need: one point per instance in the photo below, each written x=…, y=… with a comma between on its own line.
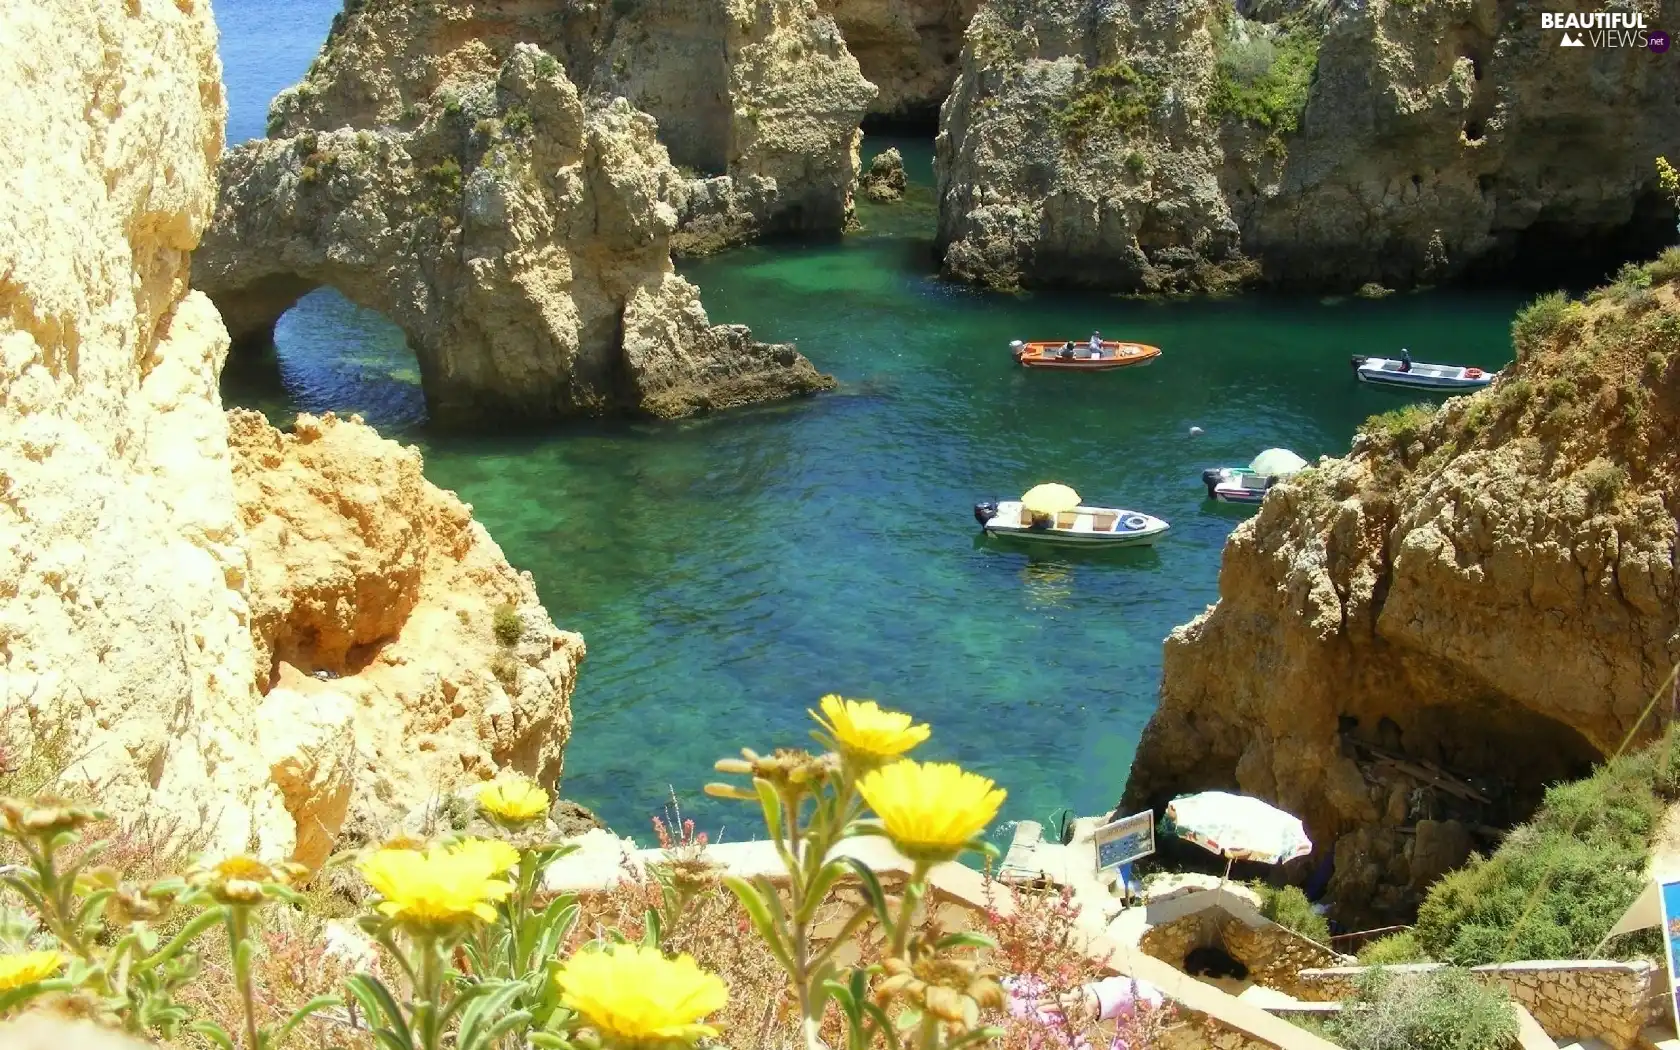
x=1473, y=604
x=910, y=49
x=885, y=181
x=174, y=574
x=373, y=597
x=762, y=92
x=1162, y=147
x=520, y=236
x=123, y=616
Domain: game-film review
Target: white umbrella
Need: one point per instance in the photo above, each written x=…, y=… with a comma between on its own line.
x=1238, y=827
x=1277, y=461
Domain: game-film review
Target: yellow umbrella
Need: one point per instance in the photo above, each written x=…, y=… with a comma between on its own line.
x=1050, y=498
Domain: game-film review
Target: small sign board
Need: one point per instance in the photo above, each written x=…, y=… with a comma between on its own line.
x=1671, y=939
x=1125, y=840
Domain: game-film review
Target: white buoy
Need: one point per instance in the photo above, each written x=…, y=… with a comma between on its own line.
x=1195, y=432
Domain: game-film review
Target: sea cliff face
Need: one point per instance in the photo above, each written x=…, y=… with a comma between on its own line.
x=270, y=638
x=1486, y=593
x=1182, y=146
x=909, y=49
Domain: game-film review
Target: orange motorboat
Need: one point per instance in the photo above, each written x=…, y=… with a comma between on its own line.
x=1080, y=357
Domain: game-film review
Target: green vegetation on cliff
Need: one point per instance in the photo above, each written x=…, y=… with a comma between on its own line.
x=1112, y=98
x=1261, y=79
x=1559, y=882
x=1438, y=1010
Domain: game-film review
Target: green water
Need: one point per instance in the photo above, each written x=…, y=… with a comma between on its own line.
x=728, y=571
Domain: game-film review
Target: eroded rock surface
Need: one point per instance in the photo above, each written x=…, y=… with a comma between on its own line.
x=910, y=49
x=175, y=577
x=1165, y=147
x=762, y=92
x=520, y=238
x=885, y=181
x=1488, y=593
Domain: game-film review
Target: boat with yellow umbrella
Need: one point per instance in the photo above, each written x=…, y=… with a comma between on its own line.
x=1052, y=513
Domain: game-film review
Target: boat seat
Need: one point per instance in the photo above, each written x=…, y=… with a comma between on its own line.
x=1065, y=519
x=1104, y=522
x=1256, y=482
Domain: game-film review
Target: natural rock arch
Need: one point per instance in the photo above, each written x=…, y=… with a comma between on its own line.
x=520, y=238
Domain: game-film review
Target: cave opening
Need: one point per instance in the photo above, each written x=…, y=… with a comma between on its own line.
x=313, y=350
x=1474, y=131
x=1554, y=252
x=1485, y=764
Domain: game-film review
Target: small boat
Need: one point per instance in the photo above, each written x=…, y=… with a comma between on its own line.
x=1079, y=357
x=1075, y=527
x=1251, y=483
x=1385, y=371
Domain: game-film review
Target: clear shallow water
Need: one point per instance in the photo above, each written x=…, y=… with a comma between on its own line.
x=728, y=571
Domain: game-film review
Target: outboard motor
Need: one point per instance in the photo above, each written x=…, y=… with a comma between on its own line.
x=1210, y=478
x=1356, y=360
x=1017, y=348
x=984, y=512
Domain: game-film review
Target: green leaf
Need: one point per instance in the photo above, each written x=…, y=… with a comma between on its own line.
x=301, y=1014
x=503, y=1027
x=30, y=991
x=871, y=887
x=965, y=939
x=471, y=995
x=376, y=1001
x=214, y=1033
x=473, y=1033
x=749, y=897
x=827, y=876
x=882, y=1024
x=981, y=846
x=843, y=996
x=548, y=1041
x=200, y=922
x=772, y=806
x=651, y=933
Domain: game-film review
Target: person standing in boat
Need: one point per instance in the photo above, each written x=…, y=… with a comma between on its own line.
x=1096, y=344
x=1405, y=360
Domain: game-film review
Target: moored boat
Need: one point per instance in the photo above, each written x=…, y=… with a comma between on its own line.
x=1251, y=483
x=1418, y=375
x=1078, y=526
x=1080, y=357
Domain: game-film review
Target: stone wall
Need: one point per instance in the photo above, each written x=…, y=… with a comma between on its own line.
x=1605, y=1000
x=1275, y=955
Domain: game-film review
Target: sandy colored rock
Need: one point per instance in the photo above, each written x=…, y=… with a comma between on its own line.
x=885, y=181
x=1096, y=144
x=519, y=235
x=173, y=571
x=373, y=597
x=123, y=618
x=909, y=49
x=761, y=92
x=1497, y=582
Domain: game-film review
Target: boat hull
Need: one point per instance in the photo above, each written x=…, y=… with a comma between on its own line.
x=1129, y=528
x=1225, y=485
x=1386, y=372
x=1115, y=355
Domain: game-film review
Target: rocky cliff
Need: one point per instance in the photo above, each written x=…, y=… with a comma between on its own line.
x=174, y=572
x=519, y=234
x=1150, y=146
x=1411, y=641
x=909, y=49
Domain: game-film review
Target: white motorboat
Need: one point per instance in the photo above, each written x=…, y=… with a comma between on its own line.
x=1251, y=483
x=1417, y=375
x=1077, y=527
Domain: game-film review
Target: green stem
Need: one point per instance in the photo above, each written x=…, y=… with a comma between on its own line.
x=929, y=1039
x=906, y=905
x=430, y=990
x=238, y=930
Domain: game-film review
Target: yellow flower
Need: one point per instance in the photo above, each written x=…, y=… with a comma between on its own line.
x=497, y=856
x=633, y=994
x=513, y=801
x=862, y=729
x=27, y=968
x=930, y=809
x=443, y=887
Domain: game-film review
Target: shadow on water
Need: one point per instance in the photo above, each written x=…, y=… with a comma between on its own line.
x=1041, y=558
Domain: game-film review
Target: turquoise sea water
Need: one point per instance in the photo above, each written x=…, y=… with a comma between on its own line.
x=728, y=571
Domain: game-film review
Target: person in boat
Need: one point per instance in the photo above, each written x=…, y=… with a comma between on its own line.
x=1405, y=360
x=1039, y=522
x=1096, y=344
x=1067, y=351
